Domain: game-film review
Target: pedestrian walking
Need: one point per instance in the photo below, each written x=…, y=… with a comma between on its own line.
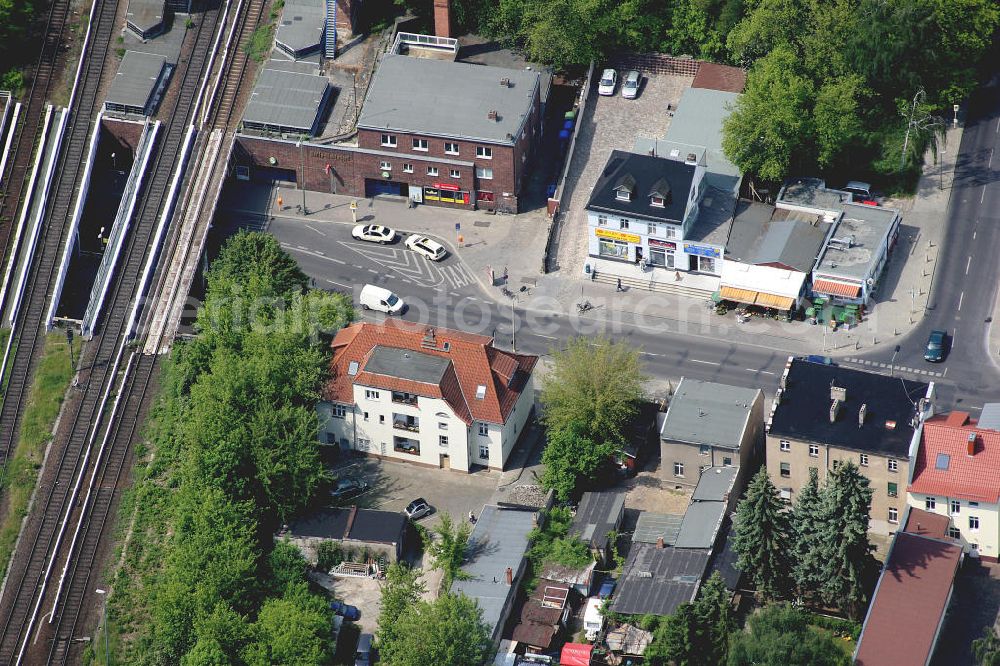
x=620, y=288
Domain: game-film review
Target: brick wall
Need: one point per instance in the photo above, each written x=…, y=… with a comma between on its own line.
x=657, y=63
x=127, y=133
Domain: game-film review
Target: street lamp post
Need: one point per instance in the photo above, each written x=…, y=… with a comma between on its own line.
x=892, y=363
x=302, y=170
x=107, y=648
x=941, y=170
x=513, y=344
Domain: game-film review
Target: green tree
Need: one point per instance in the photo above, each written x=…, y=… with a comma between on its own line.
x=986, y=649
x=574, y=459
x=449, y=630
x=779, y=635
x=715, y=619
x=769, y=25
x=696, y=634
x=286, y=566
x=770, y=129
x=762, y=537
x=808, y=531
x=402, y=589
x=849, y=568
x=293, y=629
x=446, y=545
x=837, y=117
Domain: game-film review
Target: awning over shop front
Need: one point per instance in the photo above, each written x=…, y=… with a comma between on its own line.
x=837, y=288
x=747, y=296
x=774, y=301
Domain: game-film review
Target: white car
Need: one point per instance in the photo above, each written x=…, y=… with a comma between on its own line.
x=609, y=81
x=425, y=246
x=381, y=299
x=374, y=233
x=630, y=85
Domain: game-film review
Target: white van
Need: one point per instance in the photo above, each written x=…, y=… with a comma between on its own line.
x=383, y=300
x=593, y=621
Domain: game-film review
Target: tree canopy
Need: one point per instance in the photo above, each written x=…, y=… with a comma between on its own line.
x=449, y=630
x=779, y=635
x=762, y=537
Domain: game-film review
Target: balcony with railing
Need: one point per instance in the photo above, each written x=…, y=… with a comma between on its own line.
x=405, y=422
x=406, y=445
x=404, y=398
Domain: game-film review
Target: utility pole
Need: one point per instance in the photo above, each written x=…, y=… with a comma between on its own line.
x=892, y=363
x=107, y=649
x=69, y=341
x=302, y=170
x=513, y=344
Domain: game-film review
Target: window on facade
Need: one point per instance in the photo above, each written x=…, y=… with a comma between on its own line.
x=339, y=411
x=892, y=490
x=366, y=416
x=786, y=470
x=814, y=450
x=971, y=503
x=671, y=232
x=420, y=144
x=864, y=460
x=623, y=223
x=484, y=451
x=384, y=166
x=656, y=201
x=930, y=503
x=485, y=173
x=484, y=428
x=363, y=444
x=727, y=462
x=443, y=441
x=704, y=450
x=651, y=229
x=893, y=515
x=955, y=506
x=389, y=140
x=893, y=465
x=786, y=495
x=381, y=419
x=678, y=469
x=454, y=173
x=973, y=523
x=451, y=148
x=442, y=425
x=954, y=533
x=407, y=168
x=432, y=171
x=612, y=248
x=371, y=395
x=785, y=445
x=623, y=195
x=602, y=220
x=484, y=152
x=660, y=258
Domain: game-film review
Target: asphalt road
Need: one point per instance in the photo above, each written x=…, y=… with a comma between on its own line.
x=963, y=293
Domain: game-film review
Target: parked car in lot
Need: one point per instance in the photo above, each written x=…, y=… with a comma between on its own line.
x=346, y=611
x=346, y=489
x=363, y=653
x=425, y=246
x=417, y=509
x=381, y=299
x=936, y=346
x=861, y=192
x=608, y=83
x=374, y=233
x=630, y=84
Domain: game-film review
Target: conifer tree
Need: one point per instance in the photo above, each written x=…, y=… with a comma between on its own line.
x=762, y=537
x=808, y=527
x=846, y=553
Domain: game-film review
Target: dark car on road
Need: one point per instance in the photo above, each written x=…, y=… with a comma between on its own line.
x=346, y=489
x=936, y=346
x=346, y=611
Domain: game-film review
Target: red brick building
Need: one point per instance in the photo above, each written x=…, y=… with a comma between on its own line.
x=435, y=131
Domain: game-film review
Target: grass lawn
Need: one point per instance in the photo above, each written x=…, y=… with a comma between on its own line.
x=846, y=643
x=51, y=380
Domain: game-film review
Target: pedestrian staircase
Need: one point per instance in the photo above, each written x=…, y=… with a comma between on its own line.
x=669, y=286
x=330, y=34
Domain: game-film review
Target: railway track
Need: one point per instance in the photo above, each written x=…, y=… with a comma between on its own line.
x=50, y=61
x=58, y=501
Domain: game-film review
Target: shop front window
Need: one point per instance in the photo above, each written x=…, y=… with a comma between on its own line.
x=612, y=248
x=706, y=264
x=657, y=257
x=485, y=196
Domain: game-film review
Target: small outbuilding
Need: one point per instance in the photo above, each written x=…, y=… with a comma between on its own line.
x=139, y=85
x=380, y=532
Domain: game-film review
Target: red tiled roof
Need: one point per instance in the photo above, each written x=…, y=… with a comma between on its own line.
x=912, y=596
x=720, y=77
x=972, y=477
x=837, y=288
x=925, y=523
x=473, y=360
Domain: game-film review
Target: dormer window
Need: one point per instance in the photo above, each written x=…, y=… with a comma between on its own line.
x=659, y=193
x=658, y=202
x=624, y=188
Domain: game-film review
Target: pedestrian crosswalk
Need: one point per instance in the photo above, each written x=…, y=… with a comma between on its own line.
x=923, y=372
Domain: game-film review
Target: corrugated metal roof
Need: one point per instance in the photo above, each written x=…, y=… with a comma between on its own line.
x=652, y=526
x=598, y=514
x=709, y=413
x=448, y=99
x=658, y=580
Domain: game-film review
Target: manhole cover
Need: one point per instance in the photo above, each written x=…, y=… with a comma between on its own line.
x=481, y=223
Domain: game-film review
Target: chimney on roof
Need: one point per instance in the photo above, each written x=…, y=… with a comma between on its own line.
x=510, y=576
x=838, y=392
x=659, y=542
x=971, y=443
x=691, y=158
x=505, y=82
x=834, y=410
x=442, y=18
x=492, y=115
x=861, y=414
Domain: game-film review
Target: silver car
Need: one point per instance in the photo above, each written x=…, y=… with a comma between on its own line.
x=608, y=83
x=630, y=85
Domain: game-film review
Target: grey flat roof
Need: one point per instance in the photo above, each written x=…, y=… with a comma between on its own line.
x=407, y=364
x=301, y=25
x=763, y=234
x=698, y=120
x=989, y=418
x=369, y=525
x=598, y=514
x=286, y=99
x=811, y=193
x=136, y=79
x=652, y=526
x=708, y=413
x=702, y=521
x=715, y=216
x=869, y=227
x=715, y=484
x=499, y=540
x=658, y=580
x=448, y=99
x=145, y=14
x=724, y=561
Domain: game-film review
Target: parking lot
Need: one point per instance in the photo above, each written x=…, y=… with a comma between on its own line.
x=611, y=123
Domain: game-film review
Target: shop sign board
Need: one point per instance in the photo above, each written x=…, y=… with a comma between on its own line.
x=654, y=242
x=617, y=235
x=701, y=250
